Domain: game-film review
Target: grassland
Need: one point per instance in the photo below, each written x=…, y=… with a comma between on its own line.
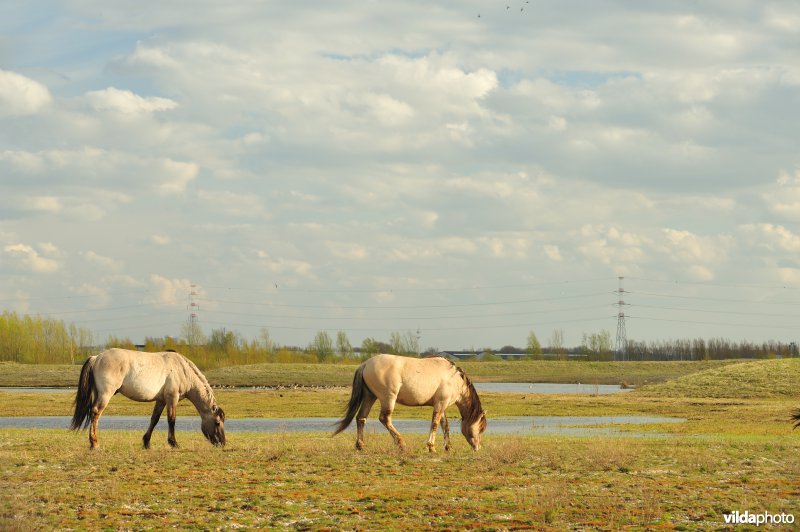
x=313, y=481
x=279, y=374
x=736, y=451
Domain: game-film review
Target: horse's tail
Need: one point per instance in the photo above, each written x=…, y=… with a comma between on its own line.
x=356, y=398
x=796, y=418
x=85, y=396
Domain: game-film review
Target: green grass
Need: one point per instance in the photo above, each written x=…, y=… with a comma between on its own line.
x=38, y=375
x=762, y=378
x=735, y=451
x=283, y=374
x=630, y=373
x=50, y=480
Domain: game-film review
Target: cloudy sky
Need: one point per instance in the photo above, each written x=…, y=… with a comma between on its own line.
x=471, y=170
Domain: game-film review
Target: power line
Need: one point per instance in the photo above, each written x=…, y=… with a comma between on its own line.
x=717, y=299
x=753, y=325
x=713, y=283
x=403, y=318
x=408, y=307
x=281, y=289
x=741, y=313
x=423, y=329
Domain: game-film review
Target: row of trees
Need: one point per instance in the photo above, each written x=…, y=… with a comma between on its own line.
x=713, y=349
x=37, y=340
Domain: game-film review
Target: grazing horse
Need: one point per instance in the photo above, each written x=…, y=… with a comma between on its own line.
x=165, y=378
x=433, y=381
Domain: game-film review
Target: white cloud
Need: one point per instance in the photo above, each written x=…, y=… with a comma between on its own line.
x=104, y=262
x=783, y=198
x=348, y=250
x=161, y=240
x=700, y=273
x=790, y=276
x=170, y=292
x=389, y=111
x=612, y=246
x=552, y=252
x=687, y=247
x=286, y=266
x=775, y=238
x=232, y=203
x=368, y=146
x=91, y=166
x=21, y=96
x=99, y=293
x=31, y=258
x=176, y=176
x=44, y=204
x=126, y=102
x=152, y=57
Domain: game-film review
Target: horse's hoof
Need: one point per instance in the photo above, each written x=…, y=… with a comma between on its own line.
x=359, y=446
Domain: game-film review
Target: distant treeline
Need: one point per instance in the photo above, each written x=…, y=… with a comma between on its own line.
x=713, y=349
x=37, y=340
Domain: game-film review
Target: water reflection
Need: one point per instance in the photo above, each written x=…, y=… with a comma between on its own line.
x=550, y=388
x=501, y=387
x=564, y=425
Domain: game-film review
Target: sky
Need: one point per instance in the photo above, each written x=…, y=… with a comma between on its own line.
x=464, y=172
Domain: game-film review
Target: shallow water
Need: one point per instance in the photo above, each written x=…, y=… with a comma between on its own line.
x=550, y=388
x=564, y=425
x=502, y=387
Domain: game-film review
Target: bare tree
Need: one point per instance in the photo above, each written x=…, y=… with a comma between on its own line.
x=343, y=345
x=557, y=344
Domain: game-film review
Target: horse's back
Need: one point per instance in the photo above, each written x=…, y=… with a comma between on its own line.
x=414, y=381
x=135, y=374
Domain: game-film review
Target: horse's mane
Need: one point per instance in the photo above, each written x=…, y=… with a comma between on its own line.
x=205, y=387
x=473, y=402
x=473, y=407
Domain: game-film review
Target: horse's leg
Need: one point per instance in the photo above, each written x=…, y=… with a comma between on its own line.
x=172, y=407
x=386, y=419
x=97, y=410
x=361, y=417
x=437, y=415
x=445, y=431
x=157, y=410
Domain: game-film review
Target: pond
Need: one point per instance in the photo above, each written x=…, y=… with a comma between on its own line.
x=550, y=388
x=502, y=387
x=563, y=425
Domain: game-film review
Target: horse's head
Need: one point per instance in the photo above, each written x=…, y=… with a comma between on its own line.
x=472, y=431
x=213, y=426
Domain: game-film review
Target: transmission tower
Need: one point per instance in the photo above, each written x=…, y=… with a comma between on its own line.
x=193, y=307
x=620, y=347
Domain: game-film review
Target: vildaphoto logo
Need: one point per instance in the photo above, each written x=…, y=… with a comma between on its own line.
x=763, y=518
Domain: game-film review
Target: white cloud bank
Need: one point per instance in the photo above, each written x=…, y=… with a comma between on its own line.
x=20, y=95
